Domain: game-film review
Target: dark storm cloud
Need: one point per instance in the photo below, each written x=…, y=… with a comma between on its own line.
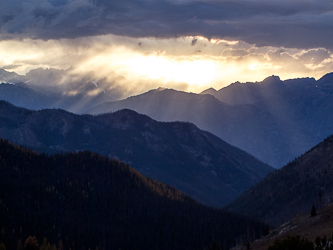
x=301, y=24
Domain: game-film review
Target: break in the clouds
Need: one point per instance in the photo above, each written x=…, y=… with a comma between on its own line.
x=285, y=23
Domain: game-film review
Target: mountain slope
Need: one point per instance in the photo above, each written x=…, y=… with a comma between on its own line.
x=249, y=127
x=293, y=189
x=307, y=226
x=178, y=154
x=89, y=201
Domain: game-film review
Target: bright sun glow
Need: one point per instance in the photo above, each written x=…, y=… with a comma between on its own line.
x=253, y=66
x=192, y=70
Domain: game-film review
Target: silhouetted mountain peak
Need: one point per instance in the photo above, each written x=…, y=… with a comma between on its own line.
x=236, y=83
x=328, y=78
x=210, y=91
x=271, y=80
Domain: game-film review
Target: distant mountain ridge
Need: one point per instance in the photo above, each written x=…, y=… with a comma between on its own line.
x=293, y=189
x=251, y=92
x=304, y=103
x=178, y=154
x=275, y=129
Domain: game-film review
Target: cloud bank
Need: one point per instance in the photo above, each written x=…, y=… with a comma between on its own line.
x=287, y=23
x=132, y=66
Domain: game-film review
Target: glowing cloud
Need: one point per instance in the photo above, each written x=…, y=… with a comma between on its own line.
x=193, y=70
x=136, y=65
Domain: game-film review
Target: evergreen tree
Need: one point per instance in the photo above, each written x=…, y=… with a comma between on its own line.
x=19, y=245
x=2, y=246
x=45, y=245
x=324, y=241
x=31, y=243
x=317, y=241
x=60, y=245
x=313, y=210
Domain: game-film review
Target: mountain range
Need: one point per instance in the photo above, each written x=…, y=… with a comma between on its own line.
x=176, y=153
x=293, y=189
x=52, y=88
x=273, y=120
x=86, y=201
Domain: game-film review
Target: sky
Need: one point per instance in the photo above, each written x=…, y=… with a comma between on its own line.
x=182, y=44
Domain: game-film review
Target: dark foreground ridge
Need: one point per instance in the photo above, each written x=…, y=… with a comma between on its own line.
x=86, y=201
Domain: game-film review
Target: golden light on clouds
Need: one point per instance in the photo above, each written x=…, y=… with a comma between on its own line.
x=260, y=66
x=217, y=41
x=188, y=63
x=193, y=70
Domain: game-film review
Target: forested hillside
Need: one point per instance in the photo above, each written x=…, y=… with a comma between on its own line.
x=175, y=153
x=292, y=190
x=86, y=201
